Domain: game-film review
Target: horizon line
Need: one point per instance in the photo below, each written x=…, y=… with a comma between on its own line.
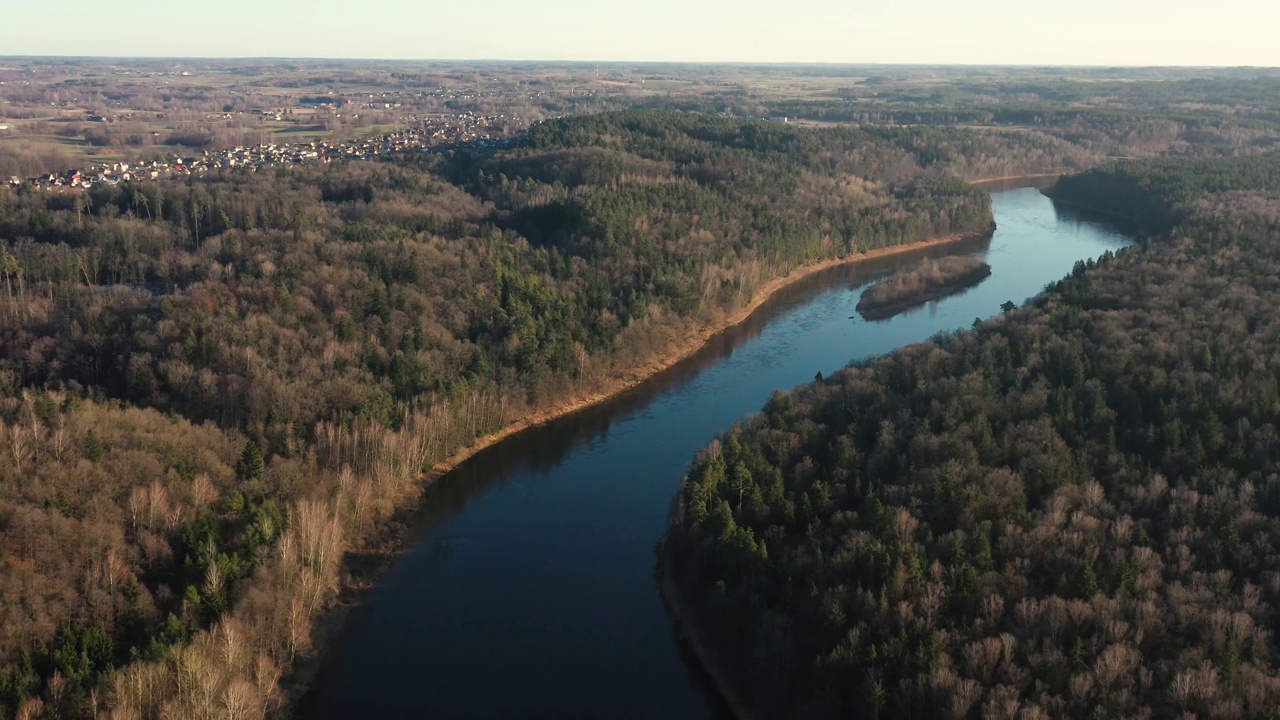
x=528, y=61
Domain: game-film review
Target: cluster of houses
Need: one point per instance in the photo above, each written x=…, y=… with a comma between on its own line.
x=435, y=134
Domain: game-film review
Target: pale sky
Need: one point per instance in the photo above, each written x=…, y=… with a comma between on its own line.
x=1019, y=32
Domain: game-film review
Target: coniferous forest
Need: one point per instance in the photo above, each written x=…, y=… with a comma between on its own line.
x=1071, y=510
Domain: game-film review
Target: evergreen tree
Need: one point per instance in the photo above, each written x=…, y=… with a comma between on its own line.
x=250, y=466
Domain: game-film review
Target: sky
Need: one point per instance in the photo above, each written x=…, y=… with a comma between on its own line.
x=1006, y=32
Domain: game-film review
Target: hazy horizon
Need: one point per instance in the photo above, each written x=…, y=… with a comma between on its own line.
x=623, y=61
x=1095, y=33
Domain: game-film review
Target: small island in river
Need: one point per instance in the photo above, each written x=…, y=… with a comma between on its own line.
x=930, y=280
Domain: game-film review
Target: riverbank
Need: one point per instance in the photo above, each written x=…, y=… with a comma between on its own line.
x=536, y=557
x=376, y=553
x=1019, y=179
x=685, y=347
x=683, y=614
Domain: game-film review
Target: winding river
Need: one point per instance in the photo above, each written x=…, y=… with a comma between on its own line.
x=528, y=590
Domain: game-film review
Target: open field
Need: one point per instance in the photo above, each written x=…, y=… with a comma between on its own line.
x=57, y=114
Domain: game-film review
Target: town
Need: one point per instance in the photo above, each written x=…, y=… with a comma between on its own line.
x=437, y=134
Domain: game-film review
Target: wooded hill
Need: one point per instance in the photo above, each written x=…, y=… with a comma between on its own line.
x=1070, y=511
x=211, y=388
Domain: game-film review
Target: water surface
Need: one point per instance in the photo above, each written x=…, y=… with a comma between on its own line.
x=528, y=591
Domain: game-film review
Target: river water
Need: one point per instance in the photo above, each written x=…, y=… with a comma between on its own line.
x=528, y=589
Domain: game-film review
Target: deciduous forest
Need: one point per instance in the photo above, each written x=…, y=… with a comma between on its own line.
x=212, y=388
x=1071, y=510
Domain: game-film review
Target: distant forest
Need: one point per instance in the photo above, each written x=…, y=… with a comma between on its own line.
x=213, y=388
x=1072, y=510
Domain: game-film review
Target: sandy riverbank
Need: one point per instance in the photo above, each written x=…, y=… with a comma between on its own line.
x=390, y=540
x=685, y=348
x=696, y=341
x=1033, y=177
x=328, y=629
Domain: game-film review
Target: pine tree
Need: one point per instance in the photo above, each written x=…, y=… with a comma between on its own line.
x=92, y=446
x=250, y=466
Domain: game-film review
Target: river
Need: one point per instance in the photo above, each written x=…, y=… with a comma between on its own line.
x=528, y=590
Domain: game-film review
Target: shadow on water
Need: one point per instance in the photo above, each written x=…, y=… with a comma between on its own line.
x=701, y=682
x=1076, y=216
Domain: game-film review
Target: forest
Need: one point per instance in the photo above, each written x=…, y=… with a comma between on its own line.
x=215, y=391
x=1071, y=510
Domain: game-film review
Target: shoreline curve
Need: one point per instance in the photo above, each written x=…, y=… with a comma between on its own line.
x=681, y=614
x=683, y=350
x=328, y=629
